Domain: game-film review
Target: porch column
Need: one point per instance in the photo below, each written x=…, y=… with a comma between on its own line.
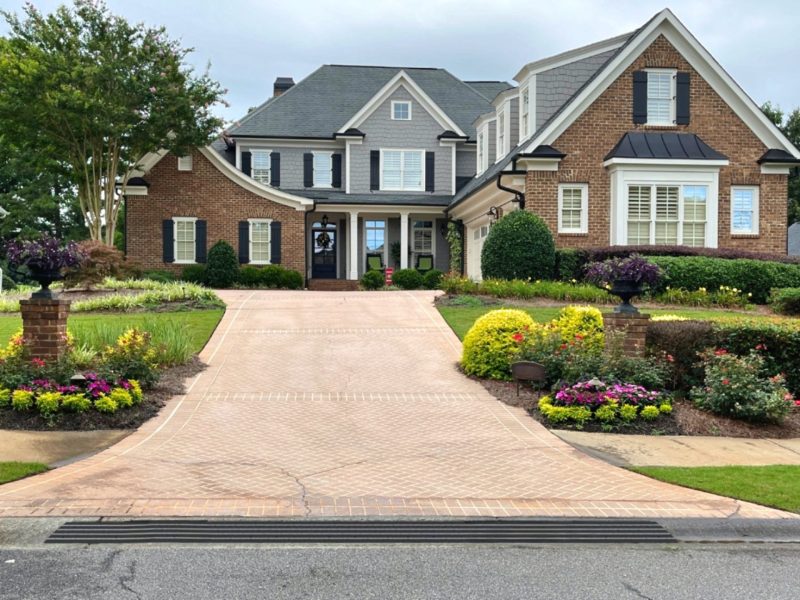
x=404, y=240
x=353, y=243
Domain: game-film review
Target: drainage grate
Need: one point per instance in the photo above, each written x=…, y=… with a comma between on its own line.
x=510, y=531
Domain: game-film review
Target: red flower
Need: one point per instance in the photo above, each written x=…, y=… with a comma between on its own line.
x=517, y=337
x=37, y=362
x=788, y=397
x=720, y=352
x=578, y=336
x=726, y=381
x=670, y=358
x=563, y=346
x=761, y=347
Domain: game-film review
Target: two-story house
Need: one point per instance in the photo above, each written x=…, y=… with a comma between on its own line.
x=638, y=139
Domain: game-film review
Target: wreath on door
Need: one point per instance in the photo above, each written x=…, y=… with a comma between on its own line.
x=323, y=240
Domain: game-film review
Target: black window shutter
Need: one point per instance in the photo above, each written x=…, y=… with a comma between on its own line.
x=275, y=242
x=246, y=163
x=430, y=171
x=200, y=237
x=375, y=169
x=336, y=167
x=308, y=170
x=275, y=169
x=244, y=242
x=640, y=97
x=168, y=238
x=682, y=99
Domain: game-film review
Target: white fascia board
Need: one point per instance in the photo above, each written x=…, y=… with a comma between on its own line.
x=480, y=202
x=267, y=142
x=775, y=169
x=538, y=164
x=148, y=161
x=655, y=163
x=250, y=184
x=381, y=209
x=684, y=42
x=570, y=56
x=132, y=190
x=402, y=79
x=505, y=96
x=485, y=119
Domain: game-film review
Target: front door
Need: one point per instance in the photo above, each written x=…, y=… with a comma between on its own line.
x=323, y=242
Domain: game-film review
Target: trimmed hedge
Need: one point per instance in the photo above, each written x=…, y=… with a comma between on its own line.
x=778, y=342
x=372, y=280
x=269, y=276
x=751, y=276
x=569, y=264
x=605, y=252
x=432, y=279
x=519, y=246
x=407, y=279
x=785, y=301
x=194, y=274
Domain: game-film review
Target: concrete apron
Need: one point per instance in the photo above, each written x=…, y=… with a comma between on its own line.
x=55, y=448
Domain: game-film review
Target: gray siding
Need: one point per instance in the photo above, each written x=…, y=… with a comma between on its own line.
x=292, y=165
x=382, y=132
x=465, y=163
x=492, y=142
x=513, y=121
x=556, y=86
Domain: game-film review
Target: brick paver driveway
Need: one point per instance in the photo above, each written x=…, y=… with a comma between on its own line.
x=345, y=404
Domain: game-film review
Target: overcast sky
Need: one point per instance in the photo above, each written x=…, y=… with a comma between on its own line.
x=250, y=42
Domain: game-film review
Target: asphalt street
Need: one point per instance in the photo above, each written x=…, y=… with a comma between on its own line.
x=661, y=572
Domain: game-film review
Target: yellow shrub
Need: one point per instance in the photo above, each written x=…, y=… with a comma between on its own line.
x=22, y=399
x=136, y=391
x=583, y=321
x=48, y=403
x=14, y=348
x=5, y=397
x=607, y=412
x=122, y=397
x=76, y=403
x=562, y=414
x=627, y=412
x=489, y=345
x=665, y=408
x=650, y=413
x=105, y=404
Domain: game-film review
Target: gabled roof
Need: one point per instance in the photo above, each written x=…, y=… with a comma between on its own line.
x=663, y=146
x=322, y=103
x=489, y=89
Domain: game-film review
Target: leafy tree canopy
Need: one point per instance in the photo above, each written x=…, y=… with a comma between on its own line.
x=790, y=126
x=92, y=94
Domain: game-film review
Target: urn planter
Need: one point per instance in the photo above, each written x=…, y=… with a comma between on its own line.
x=625, y=290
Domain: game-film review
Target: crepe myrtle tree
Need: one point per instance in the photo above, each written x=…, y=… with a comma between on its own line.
x=88, y=90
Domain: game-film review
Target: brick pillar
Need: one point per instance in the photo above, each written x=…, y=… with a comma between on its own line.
x=633, y=328
x=44, y=326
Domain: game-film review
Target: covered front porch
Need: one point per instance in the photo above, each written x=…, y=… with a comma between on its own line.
x=345, y=241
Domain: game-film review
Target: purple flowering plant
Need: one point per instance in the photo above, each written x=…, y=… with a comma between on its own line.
x=46, y=254
x=634, y=268
x=595, y=393
x=96, y=386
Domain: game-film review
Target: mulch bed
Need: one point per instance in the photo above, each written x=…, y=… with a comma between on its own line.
x=686, y=419
x=171, y=383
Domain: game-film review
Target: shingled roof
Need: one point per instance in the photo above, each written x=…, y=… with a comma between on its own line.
x=323, y=102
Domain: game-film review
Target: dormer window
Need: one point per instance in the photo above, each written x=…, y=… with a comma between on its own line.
x=401, y=111
x=661, y=96
x=524, y=112
x=501, y=135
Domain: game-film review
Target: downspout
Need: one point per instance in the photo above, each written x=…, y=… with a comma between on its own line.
x=518, y=196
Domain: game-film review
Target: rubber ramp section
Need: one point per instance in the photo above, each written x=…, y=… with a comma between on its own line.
x=493, y=531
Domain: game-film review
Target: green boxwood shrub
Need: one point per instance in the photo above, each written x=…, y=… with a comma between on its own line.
x=754, y=277
x=407, y=279
x=785, y=301
x=519, y=246
x=249, y=276
x=489, y=345
x=194, y=274
x=372, y=280
x=270, y=276
x=432, y=279
x=292, y=280
x=569, y=264
x=223, y=265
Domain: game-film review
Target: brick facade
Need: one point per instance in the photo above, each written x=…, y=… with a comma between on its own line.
x=208, y=194
x=600, y=127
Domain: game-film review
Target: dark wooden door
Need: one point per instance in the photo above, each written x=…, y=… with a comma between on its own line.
x=323, y=245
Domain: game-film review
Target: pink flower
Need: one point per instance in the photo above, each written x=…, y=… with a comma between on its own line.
x=761, y=347
x=670, y=358
x=720, y=352
x=726, y=381
x=37, y=362
x=152, y=89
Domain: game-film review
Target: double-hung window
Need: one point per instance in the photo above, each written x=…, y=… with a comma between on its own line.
x=323, y=169
x=667, y=215
x=501, y=135
x=185, y=239
x=661, y=96
x=481, y=168
x=260, y=241
x=744, y=210
x=524, y=110
x=402, y=170
x=423, y=237
x=573, y=205
x=260, y=165
x=401, y=111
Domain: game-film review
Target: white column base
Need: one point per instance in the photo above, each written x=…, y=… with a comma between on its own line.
x=352, y=242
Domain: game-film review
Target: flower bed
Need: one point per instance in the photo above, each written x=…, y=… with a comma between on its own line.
x=607, y=403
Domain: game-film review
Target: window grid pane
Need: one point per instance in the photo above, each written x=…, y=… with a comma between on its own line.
x=322, y=170
x=742, y=210
x=184, y=240
x=375, y=235
x=259, y=241
x=638, y=214
x=667, y=214
x=571, y=208
x=259, y=166
x=401, y=111
x=412, y=170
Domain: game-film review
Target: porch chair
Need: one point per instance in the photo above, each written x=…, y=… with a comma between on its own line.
x=375, y=262
x=424, y=262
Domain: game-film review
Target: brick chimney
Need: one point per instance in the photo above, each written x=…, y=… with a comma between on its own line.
x=281, y=85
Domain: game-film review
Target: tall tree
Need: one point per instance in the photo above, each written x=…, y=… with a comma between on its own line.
x=790, y=126
x=86, y=90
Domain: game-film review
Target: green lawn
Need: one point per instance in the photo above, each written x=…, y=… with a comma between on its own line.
x=9, y=471
x=461, y=318
x=775, y=485
x=199, y=323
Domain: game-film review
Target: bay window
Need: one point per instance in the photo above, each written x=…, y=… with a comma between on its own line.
x=667, y=215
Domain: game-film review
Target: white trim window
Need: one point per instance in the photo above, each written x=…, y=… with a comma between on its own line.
x=524, y=121
x=667, y=215
x=323, y=169
x=401, y=110
x=573, y=208
x=481, y=153
x=403, y=170
x=661, y=96
x=260, y=162
x=375, y=237
x=423, y=237
x=185, y=163
x=744, y=210
x=185, y=235
x=501, y=134
x=260, y=241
